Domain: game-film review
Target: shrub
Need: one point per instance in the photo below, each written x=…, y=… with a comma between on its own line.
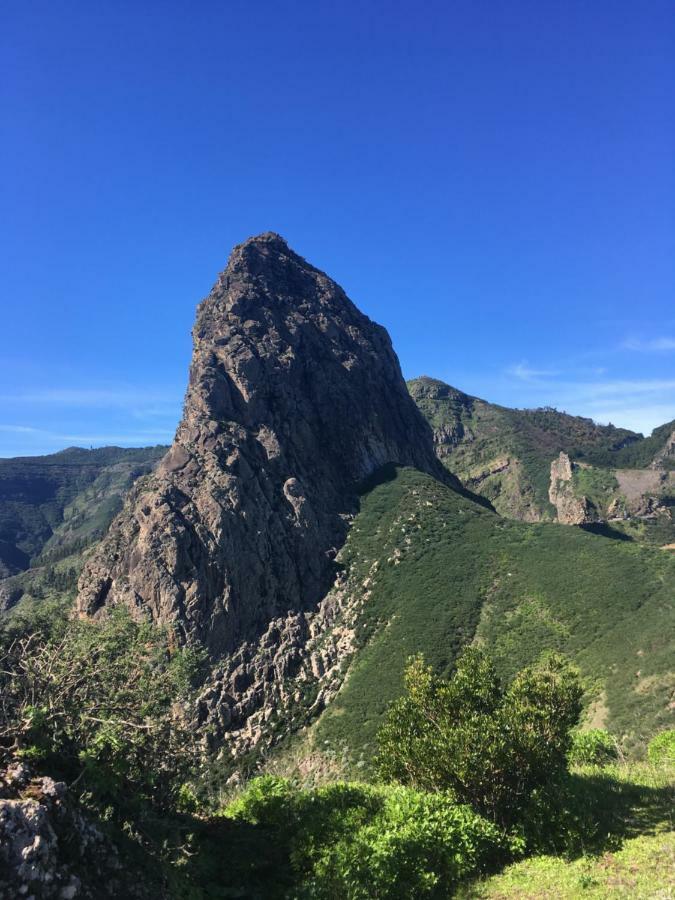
x=489, y=746
x=595, y=747
x=99, y=704
x=661, y=749
x=268, y=800
x=358, y=841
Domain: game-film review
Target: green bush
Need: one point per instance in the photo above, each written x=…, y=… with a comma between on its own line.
x=595, y=747
x=661, y=748
x=490, y=746
x=357, y=841
x=268, y=800
x=99, y=704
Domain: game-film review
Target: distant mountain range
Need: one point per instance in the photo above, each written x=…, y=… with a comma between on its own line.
x=53, y=507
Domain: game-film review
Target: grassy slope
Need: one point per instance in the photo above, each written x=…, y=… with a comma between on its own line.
x=643, y=869
x=449, y=571
x=632, y=853
x=635, y=455
x=531, y=436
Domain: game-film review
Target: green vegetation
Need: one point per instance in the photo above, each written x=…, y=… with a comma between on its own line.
x=485, y=437
x=641, y=870
x=599, y=485
x=490, y=746
x=634, y=455
x=351, y=840
x=657, y=532
x=96, y=704
x=588, y=829
x=661, y=748
x=466, y=809
x=443, y=572
x=605, y=833
x=595, y=747
x=359, y=841
x=505, y=454
x=100, y=704
x=53, y=506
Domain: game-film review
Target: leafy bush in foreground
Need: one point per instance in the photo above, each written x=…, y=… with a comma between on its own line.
x=98, y=704
x=595, y=747
x=359, y=841
x=661, y=748
x=490, y=746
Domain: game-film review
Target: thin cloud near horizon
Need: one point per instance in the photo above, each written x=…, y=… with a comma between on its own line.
x=94, y=397
x=637, y=404
x=654, y=345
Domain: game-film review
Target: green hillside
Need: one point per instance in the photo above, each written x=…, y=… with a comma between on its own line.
x=444, y=571
x=637, y=454
x=640, y=870
x=505, y=454
x=53, y=507
x=50, y=504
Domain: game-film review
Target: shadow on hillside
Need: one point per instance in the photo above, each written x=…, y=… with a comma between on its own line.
x=237, y=859
x=587, y=813
x=592, y=812
x=388, y=472
x=605, y=530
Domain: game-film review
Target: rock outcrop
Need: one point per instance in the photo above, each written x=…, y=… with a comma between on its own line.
x=571, y=509
x=48, y=848
x=295, y=399
x=667, y=452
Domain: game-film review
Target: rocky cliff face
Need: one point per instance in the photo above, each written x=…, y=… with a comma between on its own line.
x=294, y=399
x=666, y=454
x=521, y=461
x=571, y=509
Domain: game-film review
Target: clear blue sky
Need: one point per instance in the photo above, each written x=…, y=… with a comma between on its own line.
x=492, y=180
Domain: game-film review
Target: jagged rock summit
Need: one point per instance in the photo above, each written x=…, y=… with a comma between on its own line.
x=294, y=399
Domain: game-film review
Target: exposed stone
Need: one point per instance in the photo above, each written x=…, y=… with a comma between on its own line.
x=295, y=399
x=572, y=510
x=45, y=841
x=667, y=453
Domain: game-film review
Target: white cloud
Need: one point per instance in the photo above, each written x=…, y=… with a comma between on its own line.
x=640, y=404
x=639, y=418
x=525, y=372
x=20, y=429
x=627, y=387
x=94, y=397
x=135, y=438
x=655, y=345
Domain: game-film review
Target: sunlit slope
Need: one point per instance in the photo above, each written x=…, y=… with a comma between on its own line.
x=438, y=571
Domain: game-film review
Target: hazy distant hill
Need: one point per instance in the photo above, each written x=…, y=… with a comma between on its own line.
x=54, y=506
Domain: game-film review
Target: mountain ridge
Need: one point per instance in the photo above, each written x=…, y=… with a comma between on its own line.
x=55, y=505
x=510, y=456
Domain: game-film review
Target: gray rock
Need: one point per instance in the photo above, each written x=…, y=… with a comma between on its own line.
x=295, y=398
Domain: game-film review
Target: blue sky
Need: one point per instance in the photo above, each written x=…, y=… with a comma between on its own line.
x=492, y=181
